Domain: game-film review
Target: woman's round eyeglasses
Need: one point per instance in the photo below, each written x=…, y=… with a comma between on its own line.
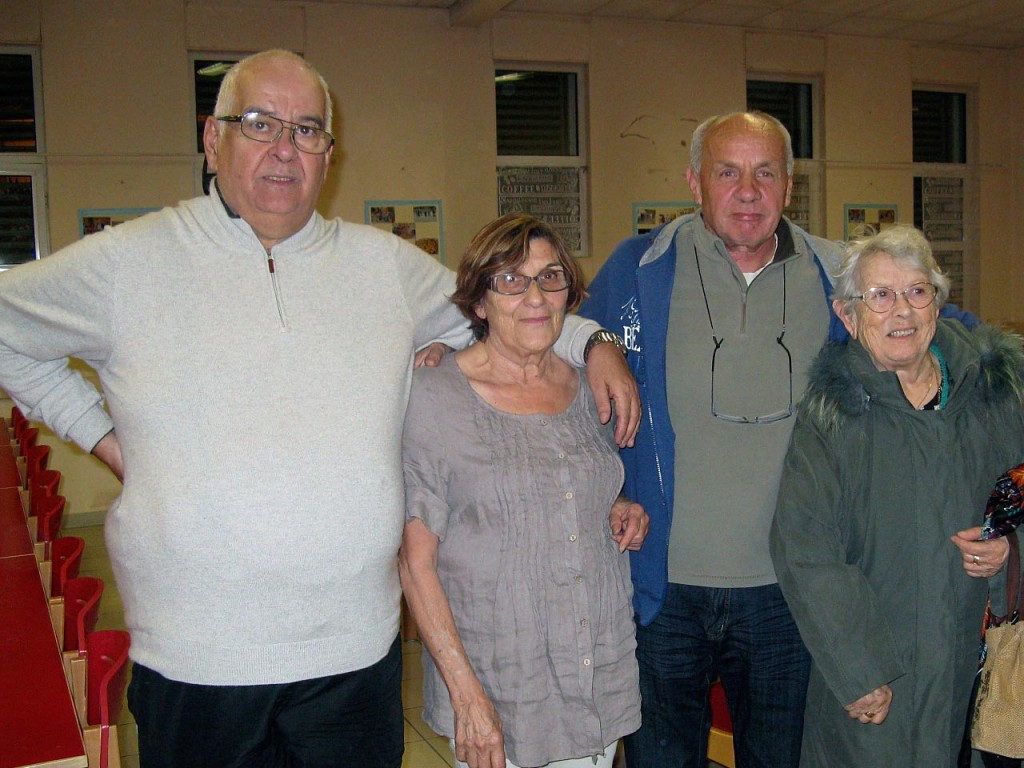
x=882, y=299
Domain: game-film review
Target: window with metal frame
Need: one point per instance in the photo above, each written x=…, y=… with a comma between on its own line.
x=17, y=103
x=536, y=112
x=23, y=233
x=542, y=163
x=945, y=186
x=940, y=126
x=793, y=103
x=208, y=71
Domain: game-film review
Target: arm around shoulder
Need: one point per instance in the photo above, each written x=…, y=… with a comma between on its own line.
x=427, y=285
x=615, y=279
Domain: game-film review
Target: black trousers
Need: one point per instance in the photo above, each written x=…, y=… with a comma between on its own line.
x=352, y=720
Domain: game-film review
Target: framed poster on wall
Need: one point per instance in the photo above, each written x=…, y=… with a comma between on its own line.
x=857, y=217
x=553, y=194
x=418, y=221
x=648, y=216
x=94, y=219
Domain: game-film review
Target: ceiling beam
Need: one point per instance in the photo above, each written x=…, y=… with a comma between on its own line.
x=473, y=13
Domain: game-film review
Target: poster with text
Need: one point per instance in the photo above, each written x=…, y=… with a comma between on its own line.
x=552, y=194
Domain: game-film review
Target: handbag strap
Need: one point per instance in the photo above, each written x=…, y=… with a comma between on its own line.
x=1013, y=579
x=1013, y=591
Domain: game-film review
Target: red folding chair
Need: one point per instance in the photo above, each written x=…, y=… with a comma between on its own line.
x=720, y=746
x=26, y=439
x=36, y=459
x=49, y=514
x=18, y=421
x=17, y=418
x=44, y=483
x=108, y=677
x=81, y=610
x=66, y=556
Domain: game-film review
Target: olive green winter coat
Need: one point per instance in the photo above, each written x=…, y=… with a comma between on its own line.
x=871, y=492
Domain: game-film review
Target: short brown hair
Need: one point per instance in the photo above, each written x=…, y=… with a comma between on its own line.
x=503, y=246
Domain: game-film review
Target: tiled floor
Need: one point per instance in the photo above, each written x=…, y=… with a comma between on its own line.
x=423, y=747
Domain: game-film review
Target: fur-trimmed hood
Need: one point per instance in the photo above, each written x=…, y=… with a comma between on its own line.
x=987, y=360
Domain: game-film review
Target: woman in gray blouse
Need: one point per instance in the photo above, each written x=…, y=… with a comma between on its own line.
x=513, y=569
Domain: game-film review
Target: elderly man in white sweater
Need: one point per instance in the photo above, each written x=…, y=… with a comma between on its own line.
x=255, y=361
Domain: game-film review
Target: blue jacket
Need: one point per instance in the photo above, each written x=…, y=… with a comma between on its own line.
x=631, y=296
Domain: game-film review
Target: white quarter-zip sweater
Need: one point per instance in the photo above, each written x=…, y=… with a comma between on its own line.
x=259, y=402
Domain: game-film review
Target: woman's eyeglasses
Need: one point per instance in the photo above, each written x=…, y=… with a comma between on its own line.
x=882, y=299
x=512, y=284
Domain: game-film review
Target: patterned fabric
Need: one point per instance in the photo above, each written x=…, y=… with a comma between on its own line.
x=1005, y=508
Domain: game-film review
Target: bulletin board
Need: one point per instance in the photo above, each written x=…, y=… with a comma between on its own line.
x=94, y=219
x=418, y=221
x=648, y=216
x=856, y=216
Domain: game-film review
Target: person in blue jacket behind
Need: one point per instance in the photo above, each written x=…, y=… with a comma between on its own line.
x=722, y=312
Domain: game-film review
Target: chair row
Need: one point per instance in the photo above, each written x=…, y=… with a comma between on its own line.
x=95, y=661
x=96, y=665
x=33, y=458
x=40, y=494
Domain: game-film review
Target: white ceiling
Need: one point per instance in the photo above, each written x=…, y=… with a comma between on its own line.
x=982, y=23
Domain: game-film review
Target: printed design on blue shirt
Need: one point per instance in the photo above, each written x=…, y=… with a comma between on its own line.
x=630, y=318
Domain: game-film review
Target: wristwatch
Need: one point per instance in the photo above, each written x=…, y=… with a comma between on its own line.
x=603, y=337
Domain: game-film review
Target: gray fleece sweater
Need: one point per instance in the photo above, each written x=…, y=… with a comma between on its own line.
x=260, y=417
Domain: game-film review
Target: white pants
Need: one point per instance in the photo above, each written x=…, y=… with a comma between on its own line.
x=603, y=760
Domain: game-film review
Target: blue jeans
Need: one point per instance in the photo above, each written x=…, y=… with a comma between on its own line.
x=346, y=720
x=747, y=637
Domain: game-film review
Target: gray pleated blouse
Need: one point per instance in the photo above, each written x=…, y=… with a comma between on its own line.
x=540, y=594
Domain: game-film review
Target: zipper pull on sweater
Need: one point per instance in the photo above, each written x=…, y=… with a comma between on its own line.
x=277, y=292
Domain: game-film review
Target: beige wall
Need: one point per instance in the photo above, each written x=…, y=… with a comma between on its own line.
x=415, y=109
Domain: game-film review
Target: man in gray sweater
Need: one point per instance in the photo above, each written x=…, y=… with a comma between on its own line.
x=255, y=360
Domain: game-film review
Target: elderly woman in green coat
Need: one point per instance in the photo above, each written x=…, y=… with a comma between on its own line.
x=900, y=437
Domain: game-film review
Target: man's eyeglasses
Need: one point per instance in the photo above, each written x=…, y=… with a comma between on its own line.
x=511, y=284
x=266, y=129
x=882, y=299
x=767, y=418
